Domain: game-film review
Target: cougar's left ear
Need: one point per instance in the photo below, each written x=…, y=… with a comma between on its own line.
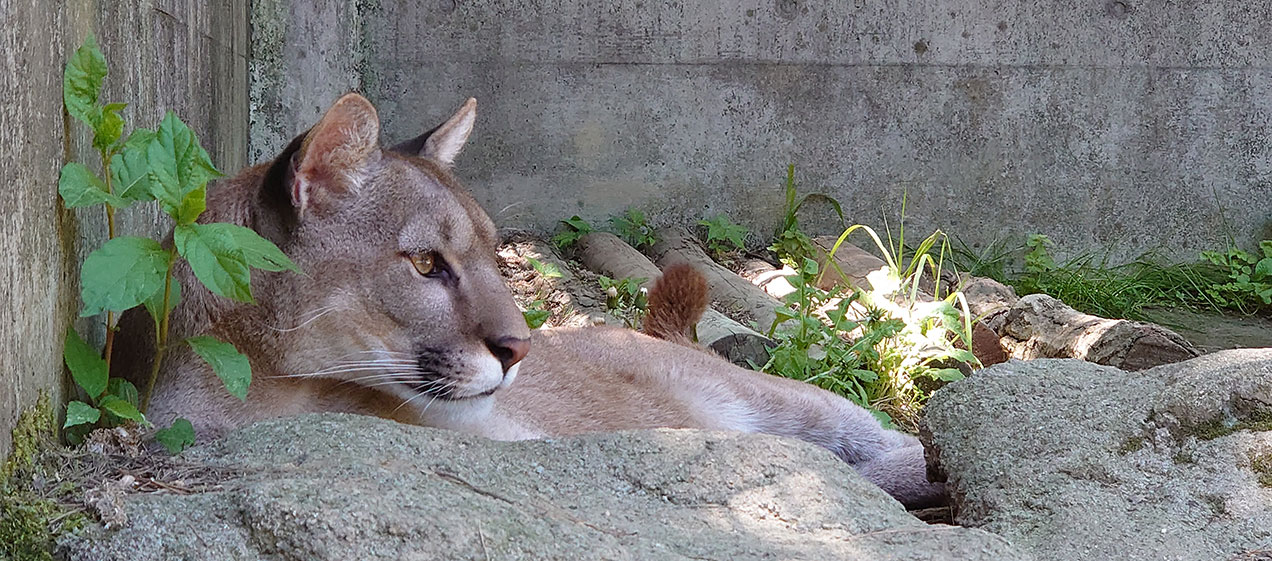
x=336, y=154
x=445, y=142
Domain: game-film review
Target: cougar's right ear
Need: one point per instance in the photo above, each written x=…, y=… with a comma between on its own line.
x=444, y=143
x=335, y=156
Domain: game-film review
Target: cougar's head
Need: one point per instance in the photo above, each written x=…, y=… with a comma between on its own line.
x=401, y=290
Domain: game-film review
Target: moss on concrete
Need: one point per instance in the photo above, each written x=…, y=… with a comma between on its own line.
x=1262, y=467
x=29, y=519
x=1255, y=420
x=36, y=426
x=1132, y=444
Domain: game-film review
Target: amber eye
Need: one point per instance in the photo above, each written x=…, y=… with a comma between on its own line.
x=425, y=263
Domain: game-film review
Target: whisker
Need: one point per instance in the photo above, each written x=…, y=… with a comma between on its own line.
x=319, y=313
x=410, y=399
x=376, y=351
x=434, y=397
x=344, y=370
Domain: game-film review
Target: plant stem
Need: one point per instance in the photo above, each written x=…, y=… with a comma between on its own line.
x=110, y=235
x=161, y=333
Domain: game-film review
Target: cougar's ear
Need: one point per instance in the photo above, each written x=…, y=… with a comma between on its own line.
x=336, y=154
x=444, y=142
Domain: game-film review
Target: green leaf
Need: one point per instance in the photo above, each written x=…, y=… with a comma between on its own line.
x=578, y=224
x=122, y=409
x=229, y=365
x=259, y=252
x=883, y=418
x=1263, y=270
x=721, y=228
x=87, y=366
x=194, y=203
x=962, y=355
x=80, y=413
x=80, y=187
x=865, y=375
x=130, y=168
x=82, y=82
x=109, y=127
x=536, y=318
x=216, y=260
x=177, y=437
x=121, y=274
x=125, y=390
x=546, y=270
x=947, y=374
x=178, y=164
x=155, y=302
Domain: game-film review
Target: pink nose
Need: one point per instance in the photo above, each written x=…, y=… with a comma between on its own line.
x=509, y=350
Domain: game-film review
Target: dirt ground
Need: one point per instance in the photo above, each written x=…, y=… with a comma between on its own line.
x=575, y=298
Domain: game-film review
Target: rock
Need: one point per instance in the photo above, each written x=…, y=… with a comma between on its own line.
x=854, y=262
x=1071, y=460
x=343, y=487
x=1044, y=327
x=986, y=345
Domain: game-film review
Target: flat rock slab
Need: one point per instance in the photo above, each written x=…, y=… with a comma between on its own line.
x=1210, y=331
x=1070, y=460
x=344, y=487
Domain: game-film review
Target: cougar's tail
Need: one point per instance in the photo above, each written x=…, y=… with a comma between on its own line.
x=676, y=304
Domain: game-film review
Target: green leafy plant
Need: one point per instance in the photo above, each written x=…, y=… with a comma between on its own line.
x=1038, y=257
x=885, y=347
x=625, y=298
x=790, y=243
x=723, y=236
x=536, y=312
x=169, y=166
x=1248, y=284
x=575, y=228
x=633, y=229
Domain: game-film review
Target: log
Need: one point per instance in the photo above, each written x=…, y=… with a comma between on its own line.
x=1039, y=326
x=988, y=300
x=678, y=245
x=606, y=254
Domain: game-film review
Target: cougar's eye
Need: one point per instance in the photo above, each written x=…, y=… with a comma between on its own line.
x=425, y=263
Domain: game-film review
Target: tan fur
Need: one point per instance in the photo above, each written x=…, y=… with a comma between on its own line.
x=363, y=332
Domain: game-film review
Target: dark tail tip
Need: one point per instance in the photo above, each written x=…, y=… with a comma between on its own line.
x=676, y=303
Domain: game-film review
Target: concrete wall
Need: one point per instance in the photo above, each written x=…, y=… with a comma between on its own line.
x=188, y=56
x=1098, y=122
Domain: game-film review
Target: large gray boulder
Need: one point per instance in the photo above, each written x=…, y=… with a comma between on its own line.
x=1070, y=460
x=345, y=487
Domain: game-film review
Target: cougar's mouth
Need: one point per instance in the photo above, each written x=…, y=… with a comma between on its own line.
x=447, y=392
x=436, y=384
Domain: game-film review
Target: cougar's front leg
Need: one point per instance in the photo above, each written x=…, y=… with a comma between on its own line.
x=750, y=401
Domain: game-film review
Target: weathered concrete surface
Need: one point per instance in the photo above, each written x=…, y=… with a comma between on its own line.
x=304, y=56
x=1073, y=461
x=343, y=487
x=1097, y=122
x=186, y=56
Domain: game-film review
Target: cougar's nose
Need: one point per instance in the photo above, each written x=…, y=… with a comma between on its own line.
x=509, y=350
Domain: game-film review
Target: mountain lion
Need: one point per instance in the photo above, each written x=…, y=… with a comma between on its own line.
x=401, y=313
